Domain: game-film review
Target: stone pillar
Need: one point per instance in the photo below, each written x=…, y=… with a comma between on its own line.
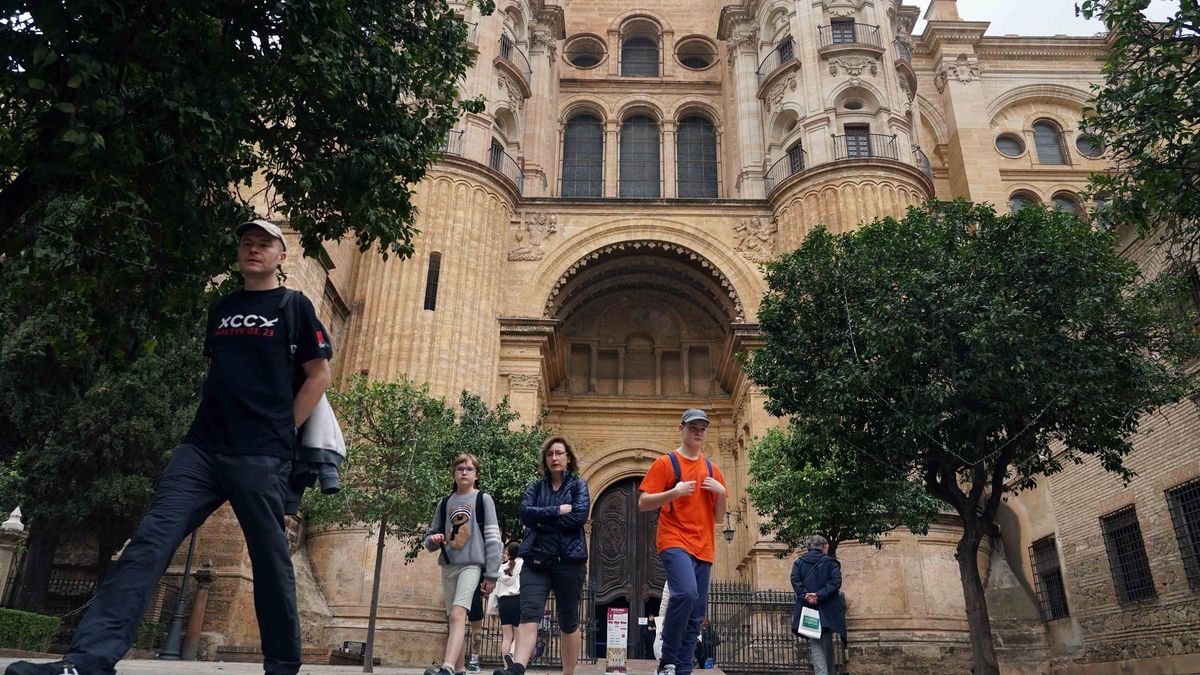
x=191, y=641
x=12, y=533
x=611, y=155
x=668, y=159
x=538, y=151
x=530, y=363
x=743, y=59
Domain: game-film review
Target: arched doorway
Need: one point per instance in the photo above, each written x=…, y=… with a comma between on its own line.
x=625, y=568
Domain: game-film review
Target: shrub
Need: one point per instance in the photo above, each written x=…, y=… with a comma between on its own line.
x=25, y=630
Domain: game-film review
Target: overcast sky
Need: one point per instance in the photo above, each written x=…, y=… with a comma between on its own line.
x=1035, y=17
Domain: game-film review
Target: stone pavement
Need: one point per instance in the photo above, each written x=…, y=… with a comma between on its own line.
x=150, y=667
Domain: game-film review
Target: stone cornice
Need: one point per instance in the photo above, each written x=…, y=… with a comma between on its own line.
x=732, y=16
x=552, y=16
x=638, y=85
x=939, y=33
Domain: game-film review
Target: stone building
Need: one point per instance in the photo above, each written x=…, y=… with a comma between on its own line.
x=591, y=244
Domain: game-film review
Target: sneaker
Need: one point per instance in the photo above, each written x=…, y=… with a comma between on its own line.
x=508, y=661
x=667, y=669
x=55, y=668
x=438, y=670
x=473, y=664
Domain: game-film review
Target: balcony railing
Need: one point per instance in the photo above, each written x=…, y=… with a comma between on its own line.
x=452, y=143
x=846, y=33
x=789, y=165
x=782, y=53
x=863, y=146
x=903, y=53
x=922, y=162
x=503, y=162
x=472, y=32
x=509, y=51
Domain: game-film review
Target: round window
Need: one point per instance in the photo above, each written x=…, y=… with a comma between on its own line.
x=1010, y=145
x=695, y=53
x=584, y=51
x=1089, y=146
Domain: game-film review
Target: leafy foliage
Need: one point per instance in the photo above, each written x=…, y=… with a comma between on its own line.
x=977, y=351
x=1147, y=112
x=802, y=489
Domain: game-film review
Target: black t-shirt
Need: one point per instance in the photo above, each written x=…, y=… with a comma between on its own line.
x=246, y=405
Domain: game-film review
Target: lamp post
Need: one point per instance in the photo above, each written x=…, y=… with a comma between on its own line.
x=172, y=645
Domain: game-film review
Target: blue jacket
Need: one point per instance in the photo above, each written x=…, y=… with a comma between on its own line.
x=548, y=535
x=815, y=572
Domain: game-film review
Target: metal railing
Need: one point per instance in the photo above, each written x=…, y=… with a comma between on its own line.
x=548, y=651
x=782, y=53
x=847, y=33
x=752, y=632
x=789, y=165
x=452, y=143
x=922, y=162
x=509, y=51
x=863, y=146
x=903, y=53
x=503, y=162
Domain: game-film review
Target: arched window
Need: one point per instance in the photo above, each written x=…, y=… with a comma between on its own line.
x=583, y=157
x=1020, y=200
x=639, y=57
x=696, y=158
x=1065, y=201
x=639, y=158
x=1047, y=138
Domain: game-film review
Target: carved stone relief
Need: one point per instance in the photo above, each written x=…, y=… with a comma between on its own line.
x=531, y=235
x=755, y=239
x=510, y=91
x=775, y=96
x=964, y=69
x=854, y=65
x=524, y=381
x=543, y=38
x=842, y=7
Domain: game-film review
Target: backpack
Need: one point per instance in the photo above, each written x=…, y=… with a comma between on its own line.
x=441, y=515
x=679, y=474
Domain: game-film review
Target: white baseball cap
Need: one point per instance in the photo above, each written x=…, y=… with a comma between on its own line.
x=264, y=225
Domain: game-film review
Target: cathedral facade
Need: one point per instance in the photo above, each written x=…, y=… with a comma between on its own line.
x=592, y=244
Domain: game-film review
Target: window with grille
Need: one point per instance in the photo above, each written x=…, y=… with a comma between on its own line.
x=639, y=163
x=1184, y=501
x=1048, y=578
x=495, y=155
x=858, y=140
x=639, y=57
x=842, y=31
x=696, y=158
x=431, y=280
x=1047, y=138
x=786, y=49
x=796, y=157
x=1127, y=555
x=583, y=157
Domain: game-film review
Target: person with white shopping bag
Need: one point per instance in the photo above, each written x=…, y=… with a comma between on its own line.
x=819, y=613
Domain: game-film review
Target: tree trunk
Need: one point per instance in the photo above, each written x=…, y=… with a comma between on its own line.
x=833, y=544
x=35, y=573
x=983, y=652
x=369, y=650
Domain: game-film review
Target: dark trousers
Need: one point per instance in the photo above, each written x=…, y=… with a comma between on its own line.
x=687, y=578
x=193, y=485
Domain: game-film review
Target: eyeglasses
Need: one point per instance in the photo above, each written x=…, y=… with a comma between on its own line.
x=465, y=469
x=559, y=453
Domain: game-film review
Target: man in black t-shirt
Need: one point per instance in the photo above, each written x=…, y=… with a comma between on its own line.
x=239, y=449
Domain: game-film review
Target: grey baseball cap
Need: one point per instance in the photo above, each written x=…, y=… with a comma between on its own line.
x=693, y=414
x=264, y=225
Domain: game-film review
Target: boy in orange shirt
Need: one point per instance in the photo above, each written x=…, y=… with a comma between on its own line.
x=690, y=493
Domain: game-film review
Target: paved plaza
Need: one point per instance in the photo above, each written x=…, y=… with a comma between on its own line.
x=153, y=667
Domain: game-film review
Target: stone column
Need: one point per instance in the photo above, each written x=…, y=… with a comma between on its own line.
x=743, y=59
x=12, y=533
x=530, y=363
x=611, y=155
x=191, y=640
x=669, y=185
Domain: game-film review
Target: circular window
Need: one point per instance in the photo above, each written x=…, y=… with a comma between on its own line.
x=696, y=53
x=853, y=104
x=1067, y=203
x=1010, y=145
x=1089, y=146
x=584, y=51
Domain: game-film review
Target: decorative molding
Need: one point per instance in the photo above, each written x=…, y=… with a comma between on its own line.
x=842, y=8
x=524, y=382
x=755, y=239
x=511, y=91
x=908, y=91
x=542, y=37
x=531, y=235
x=964, y=69
x=854, y=65
x=775, y=96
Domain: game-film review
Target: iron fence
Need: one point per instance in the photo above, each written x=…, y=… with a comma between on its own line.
x=753, y=632
x=861, y=146
x=503, y=162
x=548, y=653
x=848, y=33
x=922, y=162
x=789, y=165
x=509, y=51
x=782, y=53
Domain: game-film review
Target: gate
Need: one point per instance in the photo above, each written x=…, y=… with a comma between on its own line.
x=753, y=632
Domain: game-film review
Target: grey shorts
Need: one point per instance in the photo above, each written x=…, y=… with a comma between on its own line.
x=458, y=585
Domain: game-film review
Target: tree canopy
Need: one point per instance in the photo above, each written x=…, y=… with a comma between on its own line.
x=977, y=351
x=802, y=487
x=1147, y=115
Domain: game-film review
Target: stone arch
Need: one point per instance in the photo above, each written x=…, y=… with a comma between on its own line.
x=583, y=103
x=618, y=23
x=514, y=19
x=774, y=21
x=1056, y=95
x=862, y=88
x=933, y=120
x=507, y=124
x=634, y=105
x=694, y=105
x=617, y=460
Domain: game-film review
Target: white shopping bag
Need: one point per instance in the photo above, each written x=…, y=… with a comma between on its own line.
x=810, y=623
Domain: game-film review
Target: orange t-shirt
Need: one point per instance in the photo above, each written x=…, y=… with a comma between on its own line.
x=686, y=522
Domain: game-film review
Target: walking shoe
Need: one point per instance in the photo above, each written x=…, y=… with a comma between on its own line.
x=666, y=669
x=473, y=664
x=508, y=660
x=438, y=670
x=55, y=668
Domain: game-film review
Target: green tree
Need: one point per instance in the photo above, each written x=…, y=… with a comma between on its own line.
x=1147, y=113
x=802, y=486
x=977, y=351
x=399, y=441
x=508, y=454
